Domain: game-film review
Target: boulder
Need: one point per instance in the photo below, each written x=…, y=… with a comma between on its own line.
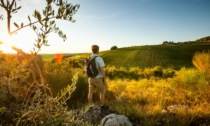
x=115, y=120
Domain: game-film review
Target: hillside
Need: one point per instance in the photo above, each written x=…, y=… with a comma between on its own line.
x=175, y=56
x=204, y=39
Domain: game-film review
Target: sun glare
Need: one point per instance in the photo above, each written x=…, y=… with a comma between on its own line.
x=8, y=41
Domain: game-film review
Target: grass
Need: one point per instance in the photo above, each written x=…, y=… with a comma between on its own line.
x=145, y=100
x=174, y=56
x=178, y=97
x=148, y=99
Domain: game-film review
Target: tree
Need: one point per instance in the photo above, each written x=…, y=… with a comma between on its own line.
x=38, y=107
x=113, y=47
x=45, y=22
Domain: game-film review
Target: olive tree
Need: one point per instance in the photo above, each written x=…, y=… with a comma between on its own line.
x=38, y=106
x=45, y=21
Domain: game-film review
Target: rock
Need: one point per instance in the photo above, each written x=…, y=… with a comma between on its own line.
x=115, y=120
x=95, y=113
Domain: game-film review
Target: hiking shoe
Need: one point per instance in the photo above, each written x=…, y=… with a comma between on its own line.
x=104, y=107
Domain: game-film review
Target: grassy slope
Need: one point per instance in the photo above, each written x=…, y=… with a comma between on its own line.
x=175, y=56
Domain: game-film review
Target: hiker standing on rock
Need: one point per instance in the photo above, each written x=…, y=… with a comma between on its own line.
x=98, y=80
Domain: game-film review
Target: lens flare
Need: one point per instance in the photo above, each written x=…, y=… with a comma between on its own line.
x=58, y=57
x=6, y=43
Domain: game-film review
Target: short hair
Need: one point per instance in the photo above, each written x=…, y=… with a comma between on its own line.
x=95, y=48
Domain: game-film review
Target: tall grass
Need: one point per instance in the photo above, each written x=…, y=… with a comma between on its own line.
x=149, y=96
x=201, y=61
x=145, y=99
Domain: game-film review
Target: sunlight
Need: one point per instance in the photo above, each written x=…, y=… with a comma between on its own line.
x=6, y=43
x=18, y=41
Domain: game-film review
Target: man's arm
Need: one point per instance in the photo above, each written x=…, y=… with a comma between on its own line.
x=102, y=70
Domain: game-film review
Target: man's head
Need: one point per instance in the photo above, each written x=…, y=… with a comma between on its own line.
x=95, y=49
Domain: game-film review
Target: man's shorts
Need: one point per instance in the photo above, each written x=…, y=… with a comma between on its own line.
x=96, y=83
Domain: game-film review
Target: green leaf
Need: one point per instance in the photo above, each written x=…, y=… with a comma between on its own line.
x=34, y=27
x=21, y=25
x=16, y=25
x=49, y=1
x=37, y=15
x=52, y=22
x=29, y=18
x=18, y=8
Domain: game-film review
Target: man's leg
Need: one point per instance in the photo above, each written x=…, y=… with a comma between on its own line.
x=90, y=91
x=90, y=98
x=102, y=98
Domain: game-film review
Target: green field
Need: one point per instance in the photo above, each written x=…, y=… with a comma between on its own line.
x=175, y=56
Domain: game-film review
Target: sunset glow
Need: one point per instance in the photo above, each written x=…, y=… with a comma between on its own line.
x=19, y=40
x=6, y=43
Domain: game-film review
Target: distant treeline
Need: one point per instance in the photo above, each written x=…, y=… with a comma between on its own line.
x=204, y=40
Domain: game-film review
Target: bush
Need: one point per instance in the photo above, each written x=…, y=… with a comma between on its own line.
x=158, y=71
x=80, y=94
x=25, y=101
x=201, y=60
x=113, y=47
x=137, y=73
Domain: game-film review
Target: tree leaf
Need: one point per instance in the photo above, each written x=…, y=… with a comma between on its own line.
x=21, y=25
x=15, y=4
x=18, y=8
x=16, y=25
x=29, y=18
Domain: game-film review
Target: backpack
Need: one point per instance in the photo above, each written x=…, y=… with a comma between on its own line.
x=91, y=70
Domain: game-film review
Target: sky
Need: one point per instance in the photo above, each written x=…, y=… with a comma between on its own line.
x=121, y=23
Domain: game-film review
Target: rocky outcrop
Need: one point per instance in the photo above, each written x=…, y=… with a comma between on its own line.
x=95, y=113
x=105, y=116
x=115, y=120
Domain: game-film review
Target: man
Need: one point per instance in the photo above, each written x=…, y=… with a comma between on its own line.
x=99, y=81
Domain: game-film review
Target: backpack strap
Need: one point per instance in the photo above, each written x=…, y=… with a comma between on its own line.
x=92, y=59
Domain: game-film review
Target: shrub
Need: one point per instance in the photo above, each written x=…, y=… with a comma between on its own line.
x=201, y=60
x=158, y=71
x=113, y=47
x=58, y=75
x=80, y=93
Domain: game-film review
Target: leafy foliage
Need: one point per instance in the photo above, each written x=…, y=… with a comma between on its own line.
x=138, y=73
x=41, y=109
x=45, y=22
x=24, y=102
x=113, y=47
x=27, y=99
x=201, y=60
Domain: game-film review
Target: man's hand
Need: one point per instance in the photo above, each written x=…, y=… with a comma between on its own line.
x=104, y=80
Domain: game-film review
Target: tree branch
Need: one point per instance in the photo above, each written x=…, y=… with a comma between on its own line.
x=2, y=4
x=30, y=24
x=11, y=4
